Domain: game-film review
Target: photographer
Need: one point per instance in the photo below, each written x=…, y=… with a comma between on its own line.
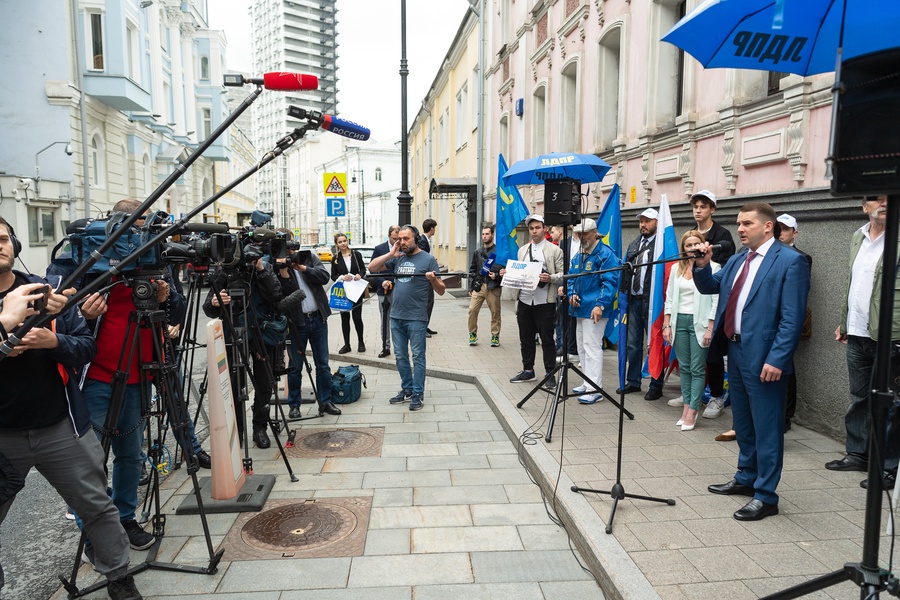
x=309, y=325
x=45, y=420
x=109, y=318
x=262, y=291
x=484, y=288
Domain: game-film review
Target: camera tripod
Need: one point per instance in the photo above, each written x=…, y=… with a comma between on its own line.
x=150, y=321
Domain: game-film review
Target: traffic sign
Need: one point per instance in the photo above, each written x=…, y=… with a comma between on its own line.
x=336, y=207
x=335, y=184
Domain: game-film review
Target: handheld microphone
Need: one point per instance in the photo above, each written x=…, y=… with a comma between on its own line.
x=488, y=263
x=291, y=301
x=206, y=227
x=278, y=80
x=698, y=254
x=348, y=129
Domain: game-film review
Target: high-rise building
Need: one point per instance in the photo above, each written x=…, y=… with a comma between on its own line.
x=297, y=36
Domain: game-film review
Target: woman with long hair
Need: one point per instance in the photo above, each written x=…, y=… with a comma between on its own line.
x=694, y=314
x=348, y=265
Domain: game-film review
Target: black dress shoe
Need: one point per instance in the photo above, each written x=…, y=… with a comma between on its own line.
x=362, y=347
x=755, y=510
x=732, y=488
x=344, y=349
x=888, y=480
x=629, y=389
x=851, y=462
x=294, y=413
x=385, y=352
x=653, y=395
x=261, y=439
x=430, y=331
x=329, y=408
x=204, y=460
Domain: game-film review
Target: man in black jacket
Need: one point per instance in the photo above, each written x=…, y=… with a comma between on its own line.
x=45, y=422
x=640, y=252
x=308, y=325
x=383, y=287
x=484, y=288
x=703, y=204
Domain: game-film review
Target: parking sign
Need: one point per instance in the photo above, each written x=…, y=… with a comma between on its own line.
x=336, y=207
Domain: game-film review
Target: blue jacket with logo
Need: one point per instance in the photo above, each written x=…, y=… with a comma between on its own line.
x=599, y=290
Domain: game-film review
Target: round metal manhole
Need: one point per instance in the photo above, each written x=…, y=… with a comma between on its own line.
x=339, y=441
x=299, y=527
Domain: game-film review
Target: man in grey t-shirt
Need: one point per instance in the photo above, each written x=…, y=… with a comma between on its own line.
x=415, y=280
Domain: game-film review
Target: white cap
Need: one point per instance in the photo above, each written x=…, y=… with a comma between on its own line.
x=531, y=218
x=788, y=220
x=586, y=225
x=650, y=213
x=705, y=194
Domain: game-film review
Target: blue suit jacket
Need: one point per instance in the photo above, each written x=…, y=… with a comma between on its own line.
x=775, y=309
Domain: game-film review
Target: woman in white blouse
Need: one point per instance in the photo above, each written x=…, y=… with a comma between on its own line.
x=691, y=330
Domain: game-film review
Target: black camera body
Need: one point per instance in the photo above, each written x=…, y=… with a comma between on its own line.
x=478, y=283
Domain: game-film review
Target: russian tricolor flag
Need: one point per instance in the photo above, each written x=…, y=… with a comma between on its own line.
x=666, y=246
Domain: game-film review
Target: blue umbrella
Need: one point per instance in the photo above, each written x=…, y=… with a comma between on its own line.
x=556, y=165
x=792, y=36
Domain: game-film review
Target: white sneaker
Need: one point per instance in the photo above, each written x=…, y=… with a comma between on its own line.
x=590, y=398
x=679, y=401
x=580, y=389
x=714, y=408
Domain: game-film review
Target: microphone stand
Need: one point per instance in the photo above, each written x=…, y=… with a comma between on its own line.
x=617, y=492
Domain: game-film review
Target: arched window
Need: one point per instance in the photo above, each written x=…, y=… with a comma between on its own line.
x=539, y=121
x=568, y=118
x=378, y=174
x=204, y=68
x=98, y=167
x=609, y=88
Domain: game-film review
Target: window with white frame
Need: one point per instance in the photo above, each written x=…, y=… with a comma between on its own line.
x=459, y=222
x=666, y=67
x=444, y=137
x=165, y=103
x=204, y=68
x=568, y=130
x=462, y=105
x=609, y=88
x=133, y=49
x=97, y=164
x=206, y=122
x=96, y=57
x=504, y=138
x=475, y=99
x=41, y=226
x=377, y=173
x=539, y=121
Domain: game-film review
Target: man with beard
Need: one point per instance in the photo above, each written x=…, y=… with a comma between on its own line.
x=409, y=310
x=45, y=422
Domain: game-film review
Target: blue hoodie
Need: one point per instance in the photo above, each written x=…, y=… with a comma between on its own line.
x=594, y=291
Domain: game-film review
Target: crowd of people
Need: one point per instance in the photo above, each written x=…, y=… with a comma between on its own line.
x=747, y=305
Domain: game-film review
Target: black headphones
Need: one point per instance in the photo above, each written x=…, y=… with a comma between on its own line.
x=16, y=244
x=415, y=230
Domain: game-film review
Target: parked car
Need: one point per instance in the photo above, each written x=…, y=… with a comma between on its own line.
x=366, y=252
x=324, y=253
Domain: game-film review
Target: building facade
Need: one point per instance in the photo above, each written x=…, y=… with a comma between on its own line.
x=113, y=94
x=297, y=36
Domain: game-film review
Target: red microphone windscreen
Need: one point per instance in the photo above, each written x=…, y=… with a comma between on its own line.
x=290, y=82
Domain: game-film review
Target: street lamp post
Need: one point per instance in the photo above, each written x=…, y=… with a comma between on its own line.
x=404, y=199
x=37, y=165
x=362, y=200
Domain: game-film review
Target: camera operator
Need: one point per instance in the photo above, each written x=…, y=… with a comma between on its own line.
x=110, y=317
x=45, y=420
x=264, y=292
x=484, y=288
x=306, y=272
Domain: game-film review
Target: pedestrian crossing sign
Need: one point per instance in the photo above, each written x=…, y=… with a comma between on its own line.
x=335, y=184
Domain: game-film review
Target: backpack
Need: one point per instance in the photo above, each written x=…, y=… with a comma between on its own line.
x=346, y=384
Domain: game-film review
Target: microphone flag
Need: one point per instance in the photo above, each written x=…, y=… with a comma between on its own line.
x=511, y=209
x=609, y=227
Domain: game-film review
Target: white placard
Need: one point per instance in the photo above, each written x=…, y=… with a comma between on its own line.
x=522, y=275
x=355, y=289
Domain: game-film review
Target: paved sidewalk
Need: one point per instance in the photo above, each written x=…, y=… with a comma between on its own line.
x=454, y=515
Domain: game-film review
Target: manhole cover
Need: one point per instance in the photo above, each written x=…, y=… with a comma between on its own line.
x=346, y=443
x=321, y=528
x=299, y=527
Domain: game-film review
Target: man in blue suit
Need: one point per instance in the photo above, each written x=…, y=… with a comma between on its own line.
x=762, y=305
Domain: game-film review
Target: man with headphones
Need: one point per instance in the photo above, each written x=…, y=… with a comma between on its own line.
x=415, y=276
x=45, y=422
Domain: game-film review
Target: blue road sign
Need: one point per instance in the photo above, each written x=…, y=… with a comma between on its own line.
x=336, y=207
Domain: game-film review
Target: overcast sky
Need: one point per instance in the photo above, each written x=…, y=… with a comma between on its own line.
x=368, y=53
